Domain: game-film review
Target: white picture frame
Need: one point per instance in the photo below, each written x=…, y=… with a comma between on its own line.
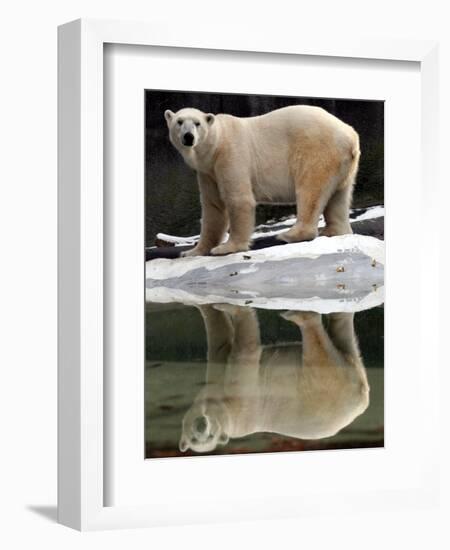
x=81, y=481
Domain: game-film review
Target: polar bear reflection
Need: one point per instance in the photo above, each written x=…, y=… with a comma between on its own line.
x=307, y=390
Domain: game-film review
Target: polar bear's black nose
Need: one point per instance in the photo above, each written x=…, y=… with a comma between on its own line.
x=201, y=424
x=188, y=139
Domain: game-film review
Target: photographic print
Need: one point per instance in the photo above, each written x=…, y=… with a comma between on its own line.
x=264, y=273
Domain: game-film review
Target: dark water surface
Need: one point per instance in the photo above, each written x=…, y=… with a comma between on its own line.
x=225, y=379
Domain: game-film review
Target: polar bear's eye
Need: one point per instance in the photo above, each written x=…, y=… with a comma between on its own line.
x=180, y=122
x=197, y=123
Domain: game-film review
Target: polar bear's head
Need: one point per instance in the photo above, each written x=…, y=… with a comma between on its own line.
x=188, y=127
x=205, y=426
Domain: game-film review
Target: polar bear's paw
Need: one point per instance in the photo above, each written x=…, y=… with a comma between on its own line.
x=334, y=231
x=229, y=247
x=196, y=251
x=298, y=234
x=301, y=318
x=231, y=309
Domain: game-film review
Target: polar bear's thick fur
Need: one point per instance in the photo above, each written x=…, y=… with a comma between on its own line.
x=307, y=390
x=299, y=154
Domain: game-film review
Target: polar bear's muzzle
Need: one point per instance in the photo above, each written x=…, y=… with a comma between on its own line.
x=202, y=426
x=188, y=139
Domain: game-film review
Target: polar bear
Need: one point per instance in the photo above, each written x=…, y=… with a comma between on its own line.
x=307, y=390
x=298, y=154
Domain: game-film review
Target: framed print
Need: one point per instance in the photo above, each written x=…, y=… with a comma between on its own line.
x=234, y=286
x=222, y=319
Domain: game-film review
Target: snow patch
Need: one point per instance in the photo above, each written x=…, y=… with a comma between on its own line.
x=370, y=214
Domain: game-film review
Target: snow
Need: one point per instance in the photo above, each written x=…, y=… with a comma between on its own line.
x=370, y=214
x=344, y=273
x=178, y=241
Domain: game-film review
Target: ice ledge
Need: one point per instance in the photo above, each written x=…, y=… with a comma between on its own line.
x=370, y=246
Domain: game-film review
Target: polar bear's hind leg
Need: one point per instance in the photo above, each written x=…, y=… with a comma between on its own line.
x=313, y=187
x=337, y=212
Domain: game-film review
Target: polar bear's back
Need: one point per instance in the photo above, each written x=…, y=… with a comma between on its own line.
x=299, y=117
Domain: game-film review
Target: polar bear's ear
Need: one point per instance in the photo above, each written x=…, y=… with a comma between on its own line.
x=210, y=118
x=168, y=115
x=183, y=445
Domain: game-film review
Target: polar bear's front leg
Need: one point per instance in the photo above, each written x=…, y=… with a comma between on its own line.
x=214, y=217
x=241, y=212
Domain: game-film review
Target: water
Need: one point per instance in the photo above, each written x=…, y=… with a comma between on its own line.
x=223, y=379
